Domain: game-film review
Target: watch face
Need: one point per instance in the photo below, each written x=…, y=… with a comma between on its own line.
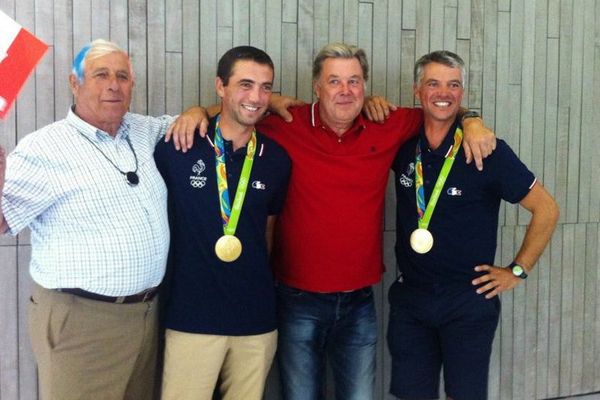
x=517, y=270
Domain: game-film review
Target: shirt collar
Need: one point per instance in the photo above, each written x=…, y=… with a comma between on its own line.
x=445, y=148
x=315, y=120
x=93, y=132
x=210, y=136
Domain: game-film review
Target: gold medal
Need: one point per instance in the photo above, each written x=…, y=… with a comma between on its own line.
x=421, y=240
x=228, y=248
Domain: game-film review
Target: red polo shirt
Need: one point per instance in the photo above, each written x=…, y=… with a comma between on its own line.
x=329, y=234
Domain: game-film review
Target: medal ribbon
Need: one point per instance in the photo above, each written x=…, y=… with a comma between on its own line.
x=426, y=211
x=231, y=215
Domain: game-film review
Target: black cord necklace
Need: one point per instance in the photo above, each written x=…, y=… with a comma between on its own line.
x=131, y=177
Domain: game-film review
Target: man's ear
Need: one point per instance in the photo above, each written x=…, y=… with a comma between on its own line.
x=219, y=87
x=316, y=88
x=73, y=84
x=416, y=92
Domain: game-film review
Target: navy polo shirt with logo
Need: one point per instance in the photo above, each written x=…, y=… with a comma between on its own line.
x=207, y=295
x=464, y=223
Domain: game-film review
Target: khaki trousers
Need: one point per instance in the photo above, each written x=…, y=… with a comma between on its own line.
x=194, y=363
x=87, y=349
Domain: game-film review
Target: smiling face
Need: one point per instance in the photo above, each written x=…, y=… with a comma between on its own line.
x=246, y=96
x=440, y=92
x=103, y=98
x=341, y=92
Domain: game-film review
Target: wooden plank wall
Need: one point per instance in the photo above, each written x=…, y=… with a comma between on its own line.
x=534, y=73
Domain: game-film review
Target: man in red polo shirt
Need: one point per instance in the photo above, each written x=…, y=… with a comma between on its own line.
x=328, y=249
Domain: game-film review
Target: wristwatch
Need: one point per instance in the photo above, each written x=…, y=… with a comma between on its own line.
x=469, y=114
x=517, y=270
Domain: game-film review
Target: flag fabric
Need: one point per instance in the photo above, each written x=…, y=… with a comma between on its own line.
x=20, y=52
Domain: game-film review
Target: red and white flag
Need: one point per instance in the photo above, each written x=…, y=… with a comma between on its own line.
x=20, y=52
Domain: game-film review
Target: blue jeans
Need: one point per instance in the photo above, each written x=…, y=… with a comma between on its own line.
x=340, y=327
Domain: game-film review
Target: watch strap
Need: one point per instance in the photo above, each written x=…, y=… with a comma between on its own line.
x=517, y=270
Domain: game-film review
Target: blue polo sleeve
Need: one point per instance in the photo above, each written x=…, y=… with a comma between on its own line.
x=513, y=179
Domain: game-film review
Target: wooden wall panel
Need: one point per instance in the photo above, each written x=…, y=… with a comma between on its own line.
x=394, y=50
x=118, y=22
x=533, y=71
x=590, y=298
x=576, y=378
x=555, y=305
x=587, y=81
x=63, y=39
x=28, y=388
x=542, y=313
x=305, y=49
x=9, y=320
x=596, y=331
x=595, y=83
x=138, y=51
x=274, y=44
x=157, y=60
x=365, y=34
x=574, y=96
x=378, y=79
x=191, y=51
x=566, y=315
x=8, y=140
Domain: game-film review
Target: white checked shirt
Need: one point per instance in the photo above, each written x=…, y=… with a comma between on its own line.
x=89, y=228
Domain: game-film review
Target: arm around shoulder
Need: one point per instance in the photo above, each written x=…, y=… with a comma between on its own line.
x=479, y=141
x=279, y=105
x=182, y=130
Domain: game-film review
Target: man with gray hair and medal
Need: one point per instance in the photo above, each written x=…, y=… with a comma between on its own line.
x=224, y=195
x=444, y=307
x=89, y=190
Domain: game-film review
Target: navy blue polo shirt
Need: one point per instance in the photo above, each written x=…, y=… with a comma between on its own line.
x=465, y=221
x=207, y=295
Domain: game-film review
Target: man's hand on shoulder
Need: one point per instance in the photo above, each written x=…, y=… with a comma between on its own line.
x=495, y=280
x=479, y=141
x=279, y=105
x=183, y=128
x=377, y=108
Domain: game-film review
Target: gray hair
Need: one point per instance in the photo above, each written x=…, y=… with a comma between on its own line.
x=443, y=57
x=340, y=50
x=96, y=49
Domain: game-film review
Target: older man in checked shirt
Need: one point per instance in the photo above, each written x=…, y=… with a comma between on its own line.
x=89, y=190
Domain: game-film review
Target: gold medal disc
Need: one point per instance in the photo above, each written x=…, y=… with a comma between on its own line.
x=421, y=240
x=228, y=248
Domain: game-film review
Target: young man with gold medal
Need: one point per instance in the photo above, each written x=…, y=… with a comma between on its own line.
x=224, y=195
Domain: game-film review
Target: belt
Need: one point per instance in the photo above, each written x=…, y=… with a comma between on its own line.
x=144, y=296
